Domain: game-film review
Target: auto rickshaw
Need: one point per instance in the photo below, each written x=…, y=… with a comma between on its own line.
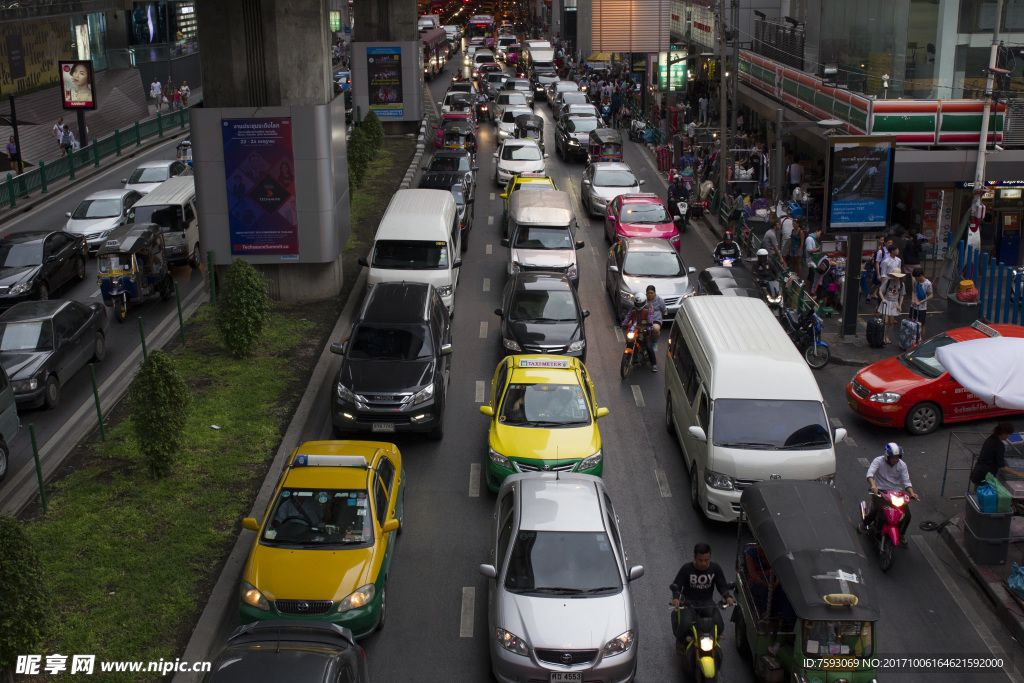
x=804, y=608
x=133, y=267
x=530, y=127
x=184, y=151
x=464, y=122
x=463, y=103
x=458, y=137
x=605, y=145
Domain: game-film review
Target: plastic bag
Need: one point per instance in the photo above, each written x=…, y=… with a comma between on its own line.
x=1016, y=580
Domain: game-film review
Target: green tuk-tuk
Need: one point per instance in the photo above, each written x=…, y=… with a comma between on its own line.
x=804, y=609
x=605, y=145
x=133, y=267
x=530, y=127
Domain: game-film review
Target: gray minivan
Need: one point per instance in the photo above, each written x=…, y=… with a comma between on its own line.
x=172, y=206
x=542, y=233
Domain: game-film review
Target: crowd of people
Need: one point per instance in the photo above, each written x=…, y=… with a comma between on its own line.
x=166, y=95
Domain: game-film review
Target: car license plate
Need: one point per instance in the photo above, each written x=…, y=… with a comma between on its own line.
x=382, y=427
x=853, y=404
x=566, y=677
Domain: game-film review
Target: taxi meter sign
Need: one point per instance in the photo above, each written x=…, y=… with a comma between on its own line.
x=543, y=363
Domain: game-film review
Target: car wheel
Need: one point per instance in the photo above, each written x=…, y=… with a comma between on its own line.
x=43, y=293
x=924, y=418
x=694, y=492
x=99, y=349
x=383, y=604
x=4, y=452
x=193, y=260
x=740, y=635
x=401, y=516
x=51, y=392
x=669, y=419
x=80, y=269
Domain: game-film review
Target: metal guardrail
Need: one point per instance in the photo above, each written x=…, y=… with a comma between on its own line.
x=45, y=173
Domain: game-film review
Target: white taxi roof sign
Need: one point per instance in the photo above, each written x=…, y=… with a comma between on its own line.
x=304, y=460
x=985, y=329
x=642, y=194
x=562, y=363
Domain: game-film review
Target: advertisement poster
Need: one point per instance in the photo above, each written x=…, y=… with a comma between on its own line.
x=672, y=71
x=930, y=220
x=259, y=170
x=76, y=84
x=859, y=181
x=384, y=81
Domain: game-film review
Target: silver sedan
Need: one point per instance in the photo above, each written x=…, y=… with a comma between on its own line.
x=603, y=181
x=636, y=262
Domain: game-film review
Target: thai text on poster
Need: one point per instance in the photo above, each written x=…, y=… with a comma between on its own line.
x=384, y=81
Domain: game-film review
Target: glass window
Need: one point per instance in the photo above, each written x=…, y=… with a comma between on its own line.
x=544, y=405
x=33, y=335
x=586, y=387
x=149, y=174
x=325, y=518
x=979, y=16
x=582, y=124
x=19, y=254
x=112, y=264
x=541, y=237
x=922, y=358
x=543, y=305
x=97, y=208
x=394, y=342
x=410, y=255
x=608, y=177
x=518, y=152
x=503, y=540
x=386, y=472
x=562, y=563
x=703, y=417
x=644, y=214
x=856, y=636
x=380, y=501
x=652, y=264
x=167, y=216
x=763, y=424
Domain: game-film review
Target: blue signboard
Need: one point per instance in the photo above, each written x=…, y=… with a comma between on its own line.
x=384, y=81
x=860, y=174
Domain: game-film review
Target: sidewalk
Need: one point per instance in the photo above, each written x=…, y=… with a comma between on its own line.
x=195, y=96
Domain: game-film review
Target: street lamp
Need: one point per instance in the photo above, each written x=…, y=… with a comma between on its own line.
x=824, y=124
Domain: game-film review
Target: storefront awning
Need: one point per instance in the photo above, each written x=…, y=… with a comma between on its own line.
x=600, y=57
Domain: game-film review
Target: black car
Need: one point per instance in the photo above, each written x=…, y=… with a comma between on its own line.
x=35, y=264
x=394, y=375
x=540, y=82
x=456, y=184
x=572, y=135
x=731, y=281
x=455, y=161
x=44, y=343
x=290, y=650
x=541, y=313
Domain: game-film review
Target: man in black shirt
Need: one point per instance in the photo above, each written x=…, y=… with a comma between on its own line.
x=696, y=582
x=992, y=458
x=726, y=248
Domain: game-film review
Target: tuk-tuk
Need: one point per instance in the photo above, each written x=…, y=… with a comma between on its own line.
x=605, y=145
x=184, y=152
x=463, y=103
x=804, y=609
x=457, y=137
x=133, y=267
x=530, y=127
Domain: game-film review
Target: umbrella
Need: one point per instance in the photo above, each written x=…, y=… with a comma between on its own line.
x=991, y=368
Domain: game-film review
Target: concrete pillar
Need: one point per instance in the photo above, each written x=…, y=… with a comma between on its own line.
x=388, y=25
x=385, y=21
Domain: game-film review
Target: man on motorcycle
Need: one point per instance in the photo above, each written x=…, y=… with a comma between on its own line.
x=677, y=192
x=889, y=472
x=762, y=269
x=656, y=312
x=696, y=581
x=641, y=316
x=727, y=248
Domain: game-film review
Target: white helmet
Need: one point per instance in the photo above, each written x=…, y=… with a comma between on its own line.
x=762, y=252
x=639, y=300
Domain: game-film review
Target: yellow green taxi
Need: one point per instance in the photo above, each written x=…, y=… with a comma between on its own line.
x=543, y=418
x=532, y=181
x=325, y=545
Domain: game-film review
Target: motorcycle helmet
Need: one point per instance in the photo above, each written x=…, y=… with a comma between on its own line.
x=893, y=449
x=639, y=300
x=762, y=252
x=728, y=235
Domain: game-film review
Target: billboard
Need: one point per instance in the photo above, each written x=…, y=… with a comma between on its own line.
x=672, y=71
x=76, y=84
x=259, y=170
x=384, y=81
x=860, y=173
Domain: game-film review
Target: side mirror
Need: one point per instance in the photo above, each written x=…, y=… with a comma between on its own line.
x=495, y=155
x=446, y=349
x=439, y=102
x=546, y=155
x=691, y=269
x=504, y=241
x=697, y=433
x=338, y=348
x=642, y=182
x=586, y=314
x=840, y=434
x=503, y=195
x=251, y=524
x=498, y=312
x=457, y=263
x=613, y=269
x=586, y=182
x=124, y=180
x=489, y=571
x=601, y=412
x=362, y=261
x=389, y=526
x=579, y=245
x=68, y=214
x=635, y=572
x=487, y=410
x=677, y=219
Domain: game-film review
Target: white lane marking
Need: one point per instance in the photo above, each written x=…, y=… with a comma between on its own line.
x=638, y=396
x=483, y=330
x=487, y=284
x=593, y=250
x=492, y=196
x=863, y=462
x=850, y=442
x=663, y=483
x=488, y=249
x=620, y=335
x=468, y=607
x=835, y=421
x=474, y=480
x=490, y=220
x=480, y=391
x=95, y=295
x=825, y=401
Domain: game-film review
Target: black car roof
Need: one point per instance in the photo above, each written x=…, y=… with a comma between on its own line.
x=396, y=302
x=452, y=153
x=33, y=310
x=442, y=180
x=29, y=236
x=547, y=281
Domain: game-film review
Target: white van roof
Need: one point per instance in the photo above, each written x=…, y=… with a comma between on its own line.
x=176, y=190
x=546, y=207
x=413, y=212
x=751, y=354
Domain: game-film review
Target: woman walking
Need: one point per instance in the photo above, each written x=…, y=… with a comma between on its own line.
x=892, y=292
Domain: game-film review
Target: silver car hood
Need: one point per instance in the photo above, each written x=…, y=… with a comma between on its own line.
x=667, y=287
x=613, y=192
x=89, y=226
x=563, y=622
x=521, y=166
x=545, y=258
x=144, y=188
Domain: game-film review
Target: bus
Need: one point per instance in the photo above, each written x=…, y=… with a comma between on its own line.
x=434, y=43
x=481, y=25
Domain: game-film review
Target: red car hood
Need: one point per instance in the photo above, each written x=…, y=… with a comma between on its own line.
x=890, y=375
x=659, y=230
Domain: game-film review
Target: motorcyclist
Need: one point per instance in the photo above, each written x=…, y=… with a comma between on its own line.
x=727, y=248
x=640, y=315
x=762, y=268
x=888, y=472
x=677, y=192
x=696, y=582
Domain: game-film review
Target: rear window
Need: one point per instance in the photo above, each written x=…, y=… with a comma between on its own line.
x=410, y=255
x=168, y=216
x=151, y=174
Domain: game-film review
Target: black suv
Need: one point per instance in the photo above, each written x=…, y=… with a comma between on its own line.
x=282, y=650
x=397, y=359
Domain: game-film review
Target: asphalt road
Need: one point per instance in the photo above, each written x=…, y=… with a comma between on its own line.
x=122, y=339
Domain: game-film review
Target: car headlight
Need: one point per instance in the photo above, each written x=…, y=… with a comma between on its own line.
x=23, y=385
x=885, y=397
x=515, y=267
x=572, y=271
x=829, y=479
x=717, y=480
x=589, y=462
x=626, y=295
x=618, y=644
x=674, y=239
x=360, y=597
x=21, y=289
x=499, y=459
x=445, y=290
x=502, y=133
x=251, y=596
x=512, y=642
x=346, y=394
x=577, y=345
x=573, y=142
x=511, y=345
x=777, y=299
x=423, y=395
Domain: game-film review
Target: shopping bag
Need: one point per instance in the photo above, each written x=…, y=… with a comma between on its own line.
x=1016, y=580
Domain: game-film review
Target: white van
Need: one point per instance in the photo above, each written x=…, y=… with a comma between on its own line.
x=418, y=240
x=172, y=206
x=742, y=403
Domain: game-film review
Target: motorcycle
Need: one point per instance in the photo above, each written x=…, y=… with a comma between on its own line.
x=638, y=348
x=637, y=126
x=773, y=290
x=683, y=215
x=725, y=261
x=482, y=105
x=606, y=113
x=805, y=332
x=703, y=653
x=885, y=530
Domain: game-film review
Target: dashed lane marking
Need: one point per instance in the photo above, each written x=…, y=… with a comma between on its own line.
x=863, y=462
x=483, y=330
x=490, y=220
x=620, y=336
x=480, y=391
x=468, y=607
x=487, y=284
x=835, y=421
x=474, y=480
x=638, y=397
x=663, y=483
x=492, y=196
x=488, y=249
x=850, y=442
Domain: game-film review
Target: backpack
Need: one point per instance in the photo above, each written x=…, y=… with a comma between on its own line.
x=65, y=139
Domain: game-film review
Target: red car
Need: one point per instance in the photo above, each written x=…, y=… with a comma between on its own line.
x=914, y=390
x=639, y=215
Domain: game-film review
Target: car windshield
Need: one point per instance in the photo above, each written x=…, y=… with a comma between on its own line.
x=114, y=263
x=644, y=214
x=543, y=305
x=519, y=153
x=545, y=80
x=544, y=405
x=328, y=517
x=770, y=424
x=410, y=255
x=449, y=164
x=98, y=208
x=20, y=254
x=609, y=177
x=513, y=49
x=922, y=357
x=390, y=342
x=31, y=335
x=560, y=563
x=168, y=217
x=541, y=237
x=652, y=264
x=149, y=174
x=495, y=78
x=574, y=97
x=581, y=125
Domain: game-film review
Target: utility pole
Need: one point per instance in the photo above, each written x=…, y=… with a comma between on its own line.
x=723, y=150
x=977, y=209
x=735, y=66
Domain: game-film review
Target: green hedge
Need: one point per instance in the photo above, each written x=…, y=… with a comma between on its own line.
x=366, y=139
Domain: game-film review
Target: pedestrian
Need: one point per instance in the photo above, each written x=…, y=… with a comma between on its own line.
x=796, y=243
x=156, y=91
x=177, y=100
x=702, y=104
x=795, y=172
x=892, y=292
x=58, y=130
x=185, y=92
x=912, y=251
x=881, y=254
x=992, y=457
x=892, y=262
x=770, y=241
x=812, y=249
x=922, y=294
x=67, y=140
x=12, y=152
